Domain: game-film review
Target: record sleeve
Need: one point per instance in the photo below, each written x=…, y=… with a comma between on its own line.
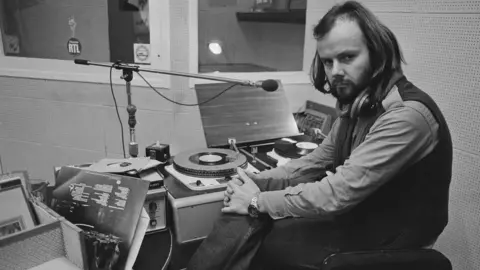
x=106, y=206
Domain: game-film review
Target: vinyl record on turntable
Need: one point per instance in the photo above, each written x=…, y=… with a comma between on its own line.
x=209, y=162
x=290, y=148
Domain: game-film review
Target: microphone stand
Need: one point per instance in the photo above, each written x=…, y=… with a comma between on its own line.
x=127, y=75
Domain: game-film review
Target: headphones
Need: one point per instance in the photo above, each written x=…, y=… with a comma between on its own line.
x=361, y=104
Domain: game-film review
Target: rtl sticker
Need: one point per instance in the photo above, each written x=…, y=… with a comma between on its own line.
x=74, y=46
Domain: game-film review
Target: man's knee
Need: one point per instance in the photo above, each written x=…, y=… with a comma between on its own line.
x=295, y=244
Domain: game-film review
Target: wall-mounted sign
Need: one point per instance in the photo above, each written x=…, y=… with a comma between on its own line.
x=141, y=53
x=74, y=46
x=12, y=44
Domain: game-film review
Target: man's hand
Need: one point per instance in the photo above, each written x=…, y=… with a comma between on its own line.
x=239, y=193
x=238, y=180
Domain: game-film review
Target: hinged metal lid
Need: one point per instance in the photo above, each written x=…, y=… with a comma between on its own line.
x=245, y=113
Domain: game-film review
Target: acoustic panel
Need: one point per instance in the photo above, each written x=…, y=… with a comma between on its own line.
x=460, y=241
x=446, y=6
x=389, y=6
x=423, y=6
x=443, y=58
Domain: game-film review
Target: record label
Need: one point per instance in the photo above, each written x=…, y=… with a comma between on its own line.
x=209, y=162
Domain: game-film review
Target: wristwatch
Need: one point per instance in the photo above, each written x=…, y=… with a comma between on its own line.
x=253, y=207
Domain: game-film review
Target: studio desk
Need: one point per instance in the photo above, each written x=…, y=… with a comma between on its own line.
x=190, y=216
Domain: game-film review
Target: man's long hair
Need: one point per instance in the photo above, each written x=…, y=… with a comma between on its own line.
x=385, y=54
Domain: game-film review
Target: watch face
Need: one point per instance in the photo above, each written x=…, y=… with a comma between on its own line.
x=253, y=211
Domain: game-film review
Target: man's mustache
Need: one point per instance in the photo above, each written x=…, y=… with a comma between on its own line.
x=341, y=83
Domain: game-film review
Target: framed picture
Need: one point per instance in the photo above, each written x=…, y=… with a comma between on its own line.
x=10, y=182
x=22, y=175
x=12, y=226
x=18, y=218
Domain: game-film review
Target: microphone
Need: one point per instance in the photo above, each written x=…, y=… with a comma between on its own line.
x=267, y=85
x=81, y=62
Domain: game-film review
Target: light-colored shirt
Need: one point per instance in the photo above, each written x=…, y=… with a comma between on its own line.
x=405, y=133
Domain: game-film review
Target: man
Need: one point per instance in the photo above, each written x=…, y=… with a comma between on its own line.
x=389, y=152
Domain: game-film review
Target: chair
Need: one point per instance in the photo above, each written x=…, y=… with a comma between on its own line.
x=408, y=259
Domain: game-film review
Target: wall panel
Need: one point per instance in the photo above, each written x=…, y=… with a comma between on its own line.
x=440, y=40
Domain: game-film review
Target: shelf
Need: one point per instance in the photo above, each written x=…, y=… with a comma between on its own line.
x=293, y=16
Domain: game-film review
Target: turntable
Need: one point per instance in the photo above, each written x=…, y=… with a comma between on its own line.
x=245, y=127
x=240, y=127
x=211, y=168
x=207, y=168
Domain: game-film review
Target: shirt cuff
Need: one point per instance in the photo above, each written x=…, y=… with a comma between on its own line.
x=275, y=173
x=273, y=203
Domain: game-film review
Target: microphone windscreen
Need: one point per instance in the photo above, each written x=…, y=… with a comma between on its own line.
x=81, y=62
x=270, y=85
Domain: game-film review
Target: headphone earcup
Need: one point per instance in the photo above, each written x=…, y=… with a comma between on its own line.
x=361, y=102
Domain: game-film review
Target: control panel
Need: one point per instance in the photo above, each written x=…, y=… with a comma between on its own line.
x=156, y=209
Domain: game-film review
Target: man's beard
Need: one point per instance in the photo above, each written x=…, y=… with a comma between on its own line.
x=345, y=91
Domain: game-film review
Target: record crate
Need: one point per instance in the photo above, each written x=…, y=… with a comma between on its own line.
x=54, y=237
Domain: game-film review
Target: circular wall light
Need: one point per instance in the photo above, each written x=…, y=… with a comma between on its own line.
x=215, y=47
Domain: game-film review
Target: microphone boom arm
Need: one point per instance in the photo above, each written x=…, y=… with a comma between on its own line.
x=127, y=75
x=136, y=68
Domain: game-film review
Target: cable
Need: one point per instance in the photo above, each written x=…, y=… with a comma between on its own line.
x=169, y=257
x=167, y=261
x=153, y=88
x=186, y=104
x=118, y=114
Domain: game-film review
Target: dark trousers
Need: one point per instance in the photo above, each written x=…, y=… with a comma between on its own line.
x=241, y=242
x=297, y=243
